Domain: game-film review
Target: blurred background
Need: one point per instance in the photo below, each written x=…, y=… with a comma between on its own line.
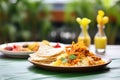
x=54, y=20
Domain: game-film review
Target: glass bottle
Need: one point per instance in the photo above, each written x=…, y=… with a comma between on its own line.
x=100, y=40
x=84, y=36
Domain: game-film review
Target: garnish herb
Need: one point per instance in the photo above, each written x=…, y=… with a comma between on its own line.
x=72, y=56
x=64, y=60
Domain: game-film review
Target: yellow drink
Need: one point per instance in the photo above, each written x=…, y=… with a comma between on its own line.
x=84, y=36
x=86, y=40
x=100, y=42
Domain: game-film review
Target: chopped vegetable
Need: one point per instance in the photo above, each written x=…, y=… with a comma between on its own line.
x=57, y=45
x=72, y=56
x=64, y=60
x=25, y=46
x=9, y=48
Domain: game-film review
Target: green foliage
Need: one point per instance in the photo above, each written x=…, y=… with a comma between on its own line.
x=23, y=19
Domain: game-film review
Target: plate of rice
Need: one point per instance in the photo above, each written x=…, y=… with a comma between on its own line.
x=74, y=57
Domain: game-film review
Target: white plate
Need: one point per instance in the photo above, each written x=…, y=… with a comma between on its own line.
x=19, y=54
x=71, y=69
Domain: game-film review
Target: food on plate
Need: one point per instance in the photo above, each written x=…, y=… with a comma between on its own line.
x=46, y=42
x=34, y=46
x=76, y=54
x=9, y=48
x=46, y=53
x=57, y=45
x=25, y=47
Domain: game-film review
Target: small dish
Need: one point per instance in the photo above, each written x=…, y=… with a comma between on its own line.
x=16, y=54
x=21, y=54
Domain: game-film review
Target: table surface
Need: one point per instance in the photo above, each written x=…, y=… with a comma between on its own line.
x=22, y=69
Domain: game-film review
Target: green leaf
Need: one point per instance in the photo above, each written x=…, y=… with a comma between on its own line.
x=72, y=56
x=64, y=60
